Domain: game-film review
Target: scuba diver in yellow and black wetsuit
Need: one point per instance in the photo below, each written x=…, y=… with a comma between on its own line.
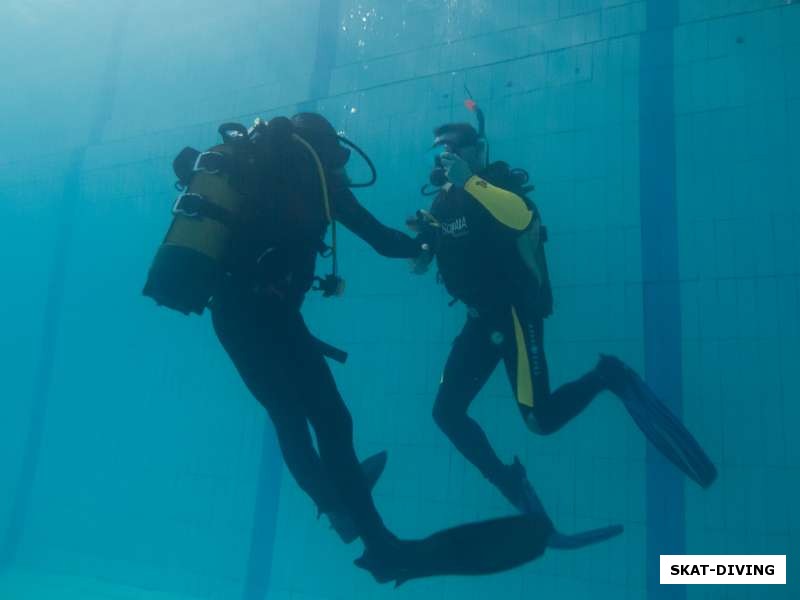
x=243, y=242
x=488, y=241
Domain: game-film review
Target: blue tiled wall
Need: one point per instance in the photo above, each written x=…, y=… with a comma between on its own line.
x=559, y=85
x=150, y=460
x=151, y=448
x=559, y=81
x=736, y=111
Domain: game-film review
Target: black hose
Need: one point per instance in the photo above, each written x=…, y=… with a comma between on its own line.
x=366, y=158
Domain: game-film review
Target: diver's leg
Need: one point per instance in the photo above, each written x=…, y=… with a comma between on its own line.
x=333, y=427
x=297, y=448
x=544, y=411
x=256, y=342
x=472, y=360
x=474, y=356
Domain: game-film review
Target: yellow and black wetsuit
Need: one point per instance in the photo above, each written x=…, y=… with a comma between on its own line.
x=480, y=264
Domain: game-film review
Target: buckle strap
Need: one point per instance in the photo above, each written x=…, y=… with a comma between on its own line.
x=197, y=206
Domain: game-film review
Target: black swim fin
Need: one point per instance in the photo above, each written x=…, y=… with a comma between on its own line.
x=480, y=548
x=517, y=489
x=341, y=522
x=373, y=467
x=665, y=431
x=527, y=501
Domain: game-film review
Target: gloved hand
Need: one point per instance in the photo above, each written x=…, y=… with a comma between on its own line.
x=427, y=228
x=455, y=168
x=422, y=262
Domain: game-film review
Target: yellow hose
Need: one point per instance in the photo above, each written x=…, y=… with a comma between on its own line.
x=325, y=199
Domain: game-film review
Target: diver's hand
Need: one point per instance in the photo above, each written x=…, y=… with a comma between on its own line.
x=422, y=262
x=455, y=168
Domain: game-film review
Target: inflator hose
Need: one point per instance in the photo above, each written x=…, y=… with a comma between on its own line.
x=325, y=199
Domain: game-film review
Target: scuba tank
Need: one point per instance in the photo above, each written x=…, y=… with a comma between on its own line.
x=189, y=264
x=187, y=267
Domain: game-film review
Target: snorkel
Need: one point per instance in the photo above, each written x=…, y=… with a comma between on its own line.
x=473, y=107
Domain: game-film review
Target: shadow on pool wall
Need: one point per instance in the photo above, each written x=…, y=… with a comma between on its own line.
x=152, y=452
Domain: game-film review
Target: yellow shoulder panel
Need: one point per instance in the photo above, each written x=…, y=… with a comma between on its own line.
x=508, y=208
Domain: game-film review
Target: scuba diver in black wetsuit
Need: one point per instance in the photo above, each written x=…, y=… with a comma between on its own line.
x=487, y=237
x=243, y=242
x=257, y=318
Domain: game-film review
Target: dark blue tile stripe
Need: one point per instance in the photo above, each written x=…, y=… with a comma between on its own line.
x=44, y=370
x=264, y=521
x=660, y=276
x=262, y=542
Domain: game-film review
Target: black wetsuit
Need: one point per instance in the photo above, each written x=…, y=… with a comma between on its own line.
x=257, y=318
x=480, y=264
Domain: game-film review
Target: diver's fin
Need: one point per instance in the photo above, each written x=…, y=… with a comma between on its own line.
x=517, y=489
x=665, y=431
x=381, y=570
x=372, y=468
x=561, y=541
x=480, y=548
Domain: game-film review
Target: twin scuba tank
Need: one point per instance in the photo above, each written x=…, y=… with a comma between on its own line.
x=190, y=263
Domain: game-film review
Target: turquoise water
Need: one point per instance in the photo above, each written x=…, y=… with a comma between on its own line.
x=662, y=139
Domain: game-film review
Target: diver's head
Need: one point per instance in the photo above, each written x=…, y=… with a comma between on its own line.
x=317, y=131
x=463, y=139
